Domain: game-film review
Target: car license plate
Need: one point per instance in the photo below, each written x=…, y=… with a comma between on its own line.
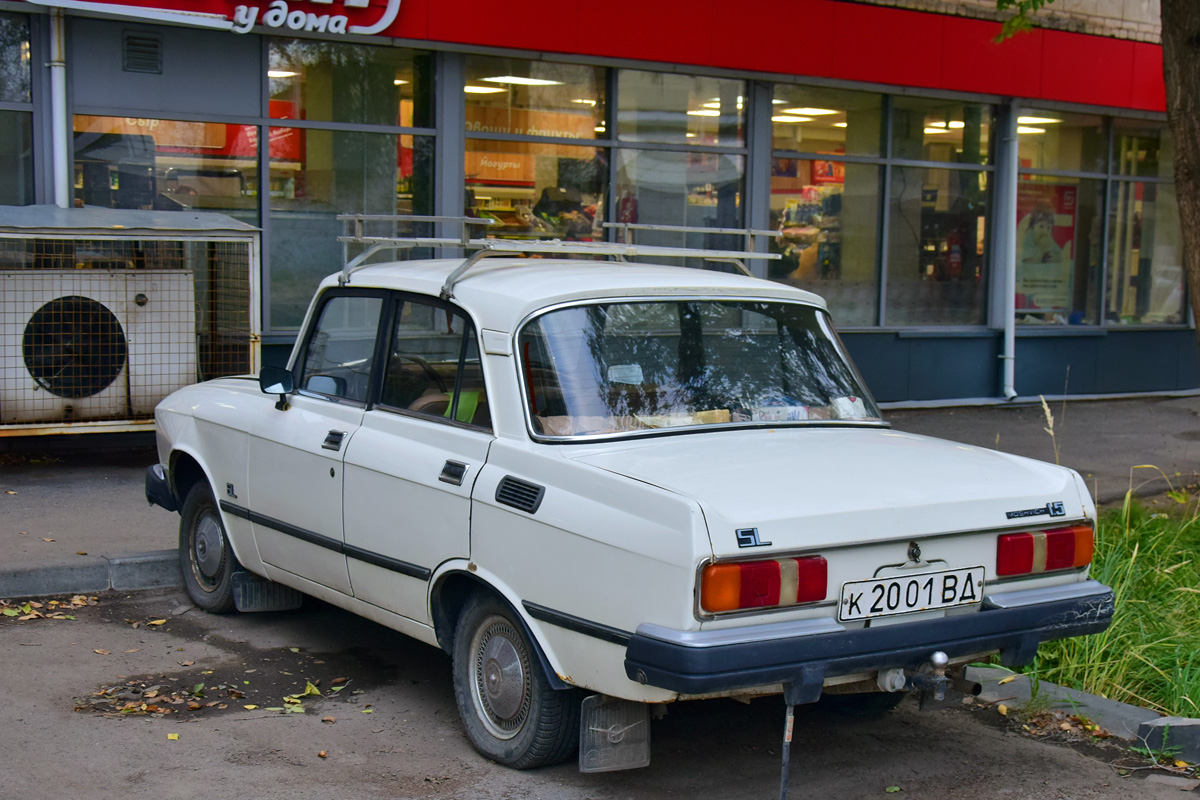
x=905, y=594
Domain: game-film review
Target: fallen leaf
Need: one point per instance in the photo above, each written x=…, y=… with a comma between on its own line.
x=9, y=491
x=10, y=612
x=893, y=789
x=101, y=652
x=22, y=533
x=310, y=689
x=321, y=754
x=329, y=720
x=368, y=711
x=1009, y=679
x=157, y=622
x=250, y=706
x=174, y=737
x=193, y=705
x=186, y=663
x=1182, y=764
x=47, y=539
x=338, y=681
x=81, y=552
x=1002, y=709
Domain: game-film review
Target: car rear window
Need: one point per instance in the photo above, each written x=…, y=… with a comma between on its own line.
x=626, y=367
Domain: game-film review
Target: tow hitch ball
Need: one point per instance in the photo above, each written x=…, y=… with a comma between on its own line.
x=935, y=681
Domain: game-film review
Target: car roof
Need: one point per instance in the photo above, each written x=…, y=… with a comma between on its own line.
x=501, y=291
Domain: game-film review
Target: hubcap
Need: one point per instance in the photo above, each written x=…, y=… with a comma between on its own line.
x=501, y=679
x=208, y=549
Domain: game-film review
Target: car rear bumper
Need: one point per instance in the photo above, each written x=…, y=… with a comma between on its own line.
x=805, y=653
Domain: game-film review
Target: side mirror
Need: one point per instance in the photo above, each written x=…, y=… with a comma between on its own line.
x=276, y=380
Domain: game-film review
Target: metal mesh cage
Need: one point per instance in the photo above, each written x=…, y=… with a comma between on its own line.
x=101, y=328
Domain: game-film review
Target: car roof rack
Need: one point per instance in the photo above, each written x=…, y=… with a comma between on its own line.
x=356, y=234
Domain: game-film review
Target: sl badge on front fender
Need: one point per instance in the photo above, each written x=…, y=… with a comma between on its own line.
x=748, y=537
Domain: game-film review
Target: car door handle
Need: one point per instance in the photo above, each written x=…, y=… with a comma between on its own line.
x=453, y=472
x=333, y=441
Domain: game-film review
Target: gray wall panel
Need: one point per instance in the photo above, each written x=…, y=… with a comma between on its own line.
x=204, y=72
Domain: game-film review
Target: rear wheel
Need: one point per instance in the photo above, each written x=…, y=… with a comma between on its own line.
x=511, y=713
x=205, y=557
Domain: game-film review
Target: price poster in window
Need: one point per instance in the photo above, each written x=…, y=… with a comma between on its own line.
x=1045, y=240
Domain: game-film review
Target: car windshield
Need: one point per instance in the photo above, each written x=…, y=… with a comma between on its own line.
x=637, y=366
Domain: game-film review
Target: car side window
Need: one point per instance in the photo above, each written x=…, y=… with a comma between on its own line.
x=433, y=365
x=340, y=352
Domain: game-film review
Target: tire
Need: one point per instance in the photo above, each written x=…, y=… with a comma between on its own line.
x=207, y=561
x=861, y=706
x=510, y=712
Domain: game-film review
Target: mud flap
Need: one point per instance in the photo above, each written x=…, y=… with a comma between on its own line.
x=613, y=734
x=252, y=593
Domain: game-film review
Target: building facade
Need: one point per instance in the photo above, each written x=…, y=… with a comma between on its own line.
x=985, y=219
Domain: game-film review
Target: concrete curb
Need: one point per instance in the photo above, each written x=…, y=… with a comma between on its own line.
x=1121, y=719
x=156, y=569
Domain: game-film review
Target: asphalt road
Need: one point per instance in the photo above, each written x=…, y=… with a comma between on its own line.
x=392, y=730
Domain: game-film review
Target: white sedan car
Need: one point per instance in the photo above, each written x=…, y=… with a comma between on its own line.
x=603, y=486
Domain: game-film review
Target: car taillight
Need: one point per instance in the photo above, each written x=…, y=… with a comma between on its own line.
x=763, y=584
x=1044, y=551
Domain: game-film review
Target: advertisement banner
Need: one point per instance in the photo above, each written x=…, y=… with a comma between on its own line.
x=1046, y=218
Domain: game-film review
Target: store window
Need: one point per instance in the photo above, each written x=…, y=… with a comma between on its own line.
x=940, y=130
x=532, y=190
x=167, y=165
x=14, y=59
x=668, y=108
x=1055, y=140
x=826, y=209
x=936, y=246
x=827, y=214
x=1143, y=149
x=695, y=189
x=1060, y=241
x=814, y=120
x=16, y=133
x=534, y=98
x=1146, y=282
x=337, y=82
x=319, y=175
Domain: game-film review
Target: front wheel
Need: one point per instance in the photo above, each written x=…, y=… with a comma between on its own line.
x=205, y=556
x=511, y=713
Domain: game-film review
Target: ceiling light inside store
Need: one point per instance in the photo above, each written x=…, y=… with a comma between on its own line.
x=704, y=112
x=937, y=130
x=717, y=104
x=1037, y=120
x=399, y=81
x=1027, y=129
x=811, y=112
x=585, y=102
x=839, y=124
x=281, y=73
x=482, y=89
x=600, y=129
x=518, y=80
x=790, y=118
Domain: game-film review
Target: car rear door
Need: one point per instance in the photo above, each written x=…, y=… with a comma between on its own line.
x=410, y=467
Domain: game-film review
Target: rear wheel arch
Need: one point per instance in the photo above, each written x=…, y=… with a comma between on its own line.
x=447, y=600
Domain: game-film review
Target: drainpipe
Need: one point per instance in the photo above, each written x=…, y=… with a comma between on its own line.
x=58, y=109
x=1006, y=244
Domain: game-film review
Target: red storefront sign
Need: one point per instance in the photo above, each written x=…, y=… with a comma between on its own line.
x=844, y=41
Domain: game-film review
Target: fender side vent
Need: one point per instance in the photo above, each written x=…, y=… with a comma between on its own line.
x=519, y=494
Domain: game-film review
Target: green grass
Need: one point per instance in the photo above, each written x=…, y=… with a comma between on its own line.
x=1150, y=656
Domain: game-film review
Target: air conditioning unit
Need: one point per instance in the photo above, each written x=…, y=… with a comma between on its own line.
x=88, y=344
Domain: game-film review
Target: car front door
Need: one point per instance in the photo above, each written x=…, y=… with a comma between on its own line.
x=410, y=467
x=296, y=475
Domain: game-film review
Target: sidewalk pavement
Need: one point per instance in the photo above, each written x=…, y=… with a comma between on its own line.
x=74, y=518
